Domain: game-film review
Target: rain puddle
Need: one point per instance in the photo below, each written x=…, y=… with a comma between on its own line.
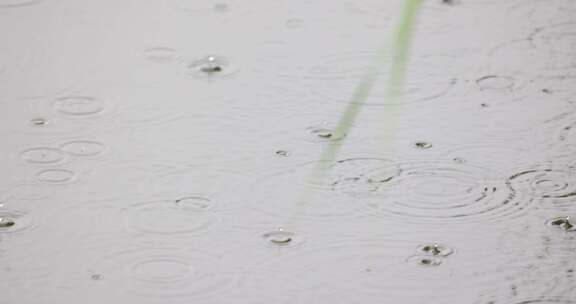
x=326, y=151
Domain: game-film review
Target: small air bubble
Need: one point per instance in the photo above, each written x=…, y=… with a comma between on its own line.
x=96, y=277
x=459, y=160
x=484, y=105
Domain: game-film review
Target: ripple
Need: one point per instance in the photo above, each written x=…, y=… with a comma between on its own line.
x=495, y=83
x=79, y=105
x=296, y=193
x=43, y=155
x=29, y=192
x=185, y=215
x=545, y=183
x=558, y=38
x=83, y=148
x=56, y=176
x=427, y=79
x=164, y=272
x=160, y=54
x=443, y=192
x=18, y=3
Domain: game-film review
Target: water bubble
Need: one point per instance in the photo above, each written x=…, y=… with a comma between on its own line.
x=160, y=54
x=562, y=222
x=211, y=65
x=79, y=105
x=39, y=121
x=43, y=155
x=96, y=277
x=185, y=215
x=495, y=83
x=436, y=250
x=56, y=176
x=83, y=148
x=459, y=160
x=422, y=145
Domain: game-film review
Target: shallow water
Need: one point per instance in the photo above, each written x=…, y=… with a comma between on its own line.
x=161, y=152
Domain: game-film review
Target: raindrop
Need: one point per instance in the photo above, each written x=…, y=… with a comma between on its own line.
x=562, y=222
x=495, y=83
x=323, y=133
x=79, y=105
x=426, y=261
x=422, y=145
x=13, y=221
x=56, y=176
x=459, y=160
x=279, y=237
x=211, y=66
x=283, y=153
x=160, y=54
x=43, y=155
x=6, y=222
x=435, y=250
x=96, y=277
x=39, y=122
x=83, y=148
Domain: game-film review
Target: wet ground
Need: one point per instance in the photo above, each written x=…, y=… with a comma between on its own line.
x=161, y=151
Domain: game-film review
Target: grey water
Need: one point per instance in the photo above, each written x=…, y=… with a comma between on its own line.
x=158, y=152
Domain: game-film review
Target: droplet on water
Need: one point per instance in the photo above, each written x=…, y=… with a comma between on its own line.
x=495, y=83
x=422, y=145
x=96, y=277
x=279, y=237
x=39, y=121
x=427, y=261
x=436, y=250
x=6, y=222
x=562, y=222
x=283, y=153
x=211, y=66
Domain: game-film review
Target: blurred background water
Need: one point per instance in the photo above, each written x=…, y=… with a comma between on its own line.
x=157, y=151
